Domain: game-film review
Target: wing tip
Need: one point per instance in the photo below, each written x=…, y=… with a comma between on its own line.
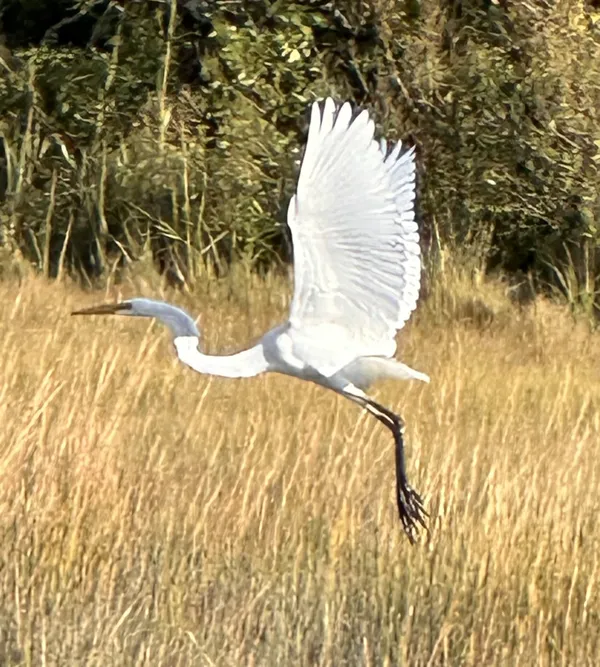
x=358, y=112
x=337, y=107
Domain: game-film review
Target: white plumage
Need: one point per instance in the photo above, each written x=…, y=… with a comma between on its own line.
x=357, y=260
x=357, y=270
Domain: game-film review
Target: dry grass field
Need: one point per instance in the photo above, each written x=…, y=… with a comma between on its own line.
x=152, y=516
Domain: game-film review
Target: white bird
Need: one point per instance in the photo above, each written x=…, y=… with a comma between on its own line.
x=357, y=270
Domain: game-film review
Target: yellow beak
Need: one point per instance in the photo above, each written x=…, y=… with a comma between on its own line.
x=104, y=309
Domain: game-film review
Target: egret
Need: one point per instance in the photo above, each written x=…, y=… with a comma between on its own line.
x=357, y=270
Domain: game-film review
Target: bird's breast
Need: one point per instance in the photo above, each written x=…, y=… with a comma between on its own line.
x=280, y=352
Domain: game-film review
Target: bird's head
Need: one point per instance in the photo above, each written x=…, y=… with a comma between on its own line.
x=178, y=321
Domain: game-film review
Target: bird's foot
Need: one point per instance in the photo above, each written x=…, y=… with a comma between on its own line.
x=412, y=512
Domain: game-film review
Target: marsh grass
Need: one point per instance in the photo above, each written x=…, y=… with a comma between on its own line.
x=151, y=516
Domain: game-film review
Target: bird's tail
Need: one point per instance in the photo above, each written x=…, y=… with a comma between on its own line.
x=364, y=371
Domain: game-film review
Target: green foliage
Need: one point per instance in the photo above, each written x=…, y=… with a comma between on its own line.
x=178, y=133
x=512, y=109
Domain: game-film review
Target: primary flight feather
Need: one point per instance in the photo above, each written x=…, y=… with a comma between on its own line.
x=357, y=269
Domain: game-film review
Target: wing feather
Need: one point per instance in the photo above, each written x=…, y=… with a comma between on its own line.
x=356, y=243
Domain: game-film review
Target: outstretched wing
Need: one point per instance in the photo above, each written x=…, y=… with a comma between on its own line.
x=356, y=244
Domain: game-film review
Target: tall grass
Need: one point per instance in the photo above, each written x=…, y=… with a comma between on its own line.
x=152, y=516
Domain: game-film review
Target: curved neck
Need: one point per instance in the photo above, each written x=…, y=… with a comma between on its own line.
x=243, y=364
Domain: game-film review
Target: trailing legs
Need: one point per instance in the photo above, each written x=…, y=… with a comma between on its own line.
x=410, y=506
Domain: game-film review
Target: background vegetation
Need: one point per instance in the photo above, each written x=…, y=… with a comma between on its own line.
x=152, y=516
x=171, y=129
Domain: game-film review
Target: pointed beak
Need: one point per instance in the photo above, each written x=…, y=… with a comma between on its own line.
x=104, y=309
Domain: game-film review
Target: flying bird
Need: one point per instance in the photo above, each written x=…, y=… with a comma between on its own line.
x=357, y=270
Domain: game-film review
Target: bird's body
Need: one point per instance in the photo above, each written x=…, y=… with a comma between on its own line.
x=357, y=275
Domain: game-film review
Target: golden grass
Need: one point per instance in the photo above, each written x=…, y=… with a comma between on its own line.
x=152, y=516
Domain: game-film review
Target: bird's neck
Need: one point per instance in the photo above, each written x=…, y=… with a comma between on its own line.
x=243, y=364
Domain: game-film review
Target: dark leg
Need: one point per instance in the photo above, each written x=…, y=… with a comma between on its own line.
x=410, y=506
